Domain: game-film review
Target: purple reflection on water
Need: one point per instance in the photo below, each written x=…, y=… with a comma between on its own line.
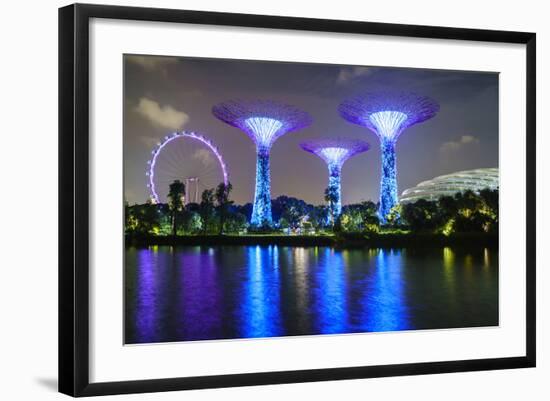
x=147, y=302
x=199, y=295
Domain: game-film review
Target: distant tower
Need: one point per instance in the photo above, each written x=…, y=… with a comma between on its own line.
x=335, y=152
x=190, y=195
x=388, y=115
x=264, y=121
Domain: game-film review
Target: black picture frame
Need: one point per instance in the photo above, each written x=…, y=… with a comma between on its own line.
x=74, y=201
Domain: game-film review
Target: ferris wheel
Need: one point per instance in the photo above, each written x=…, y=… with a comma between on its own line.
x=188, y=157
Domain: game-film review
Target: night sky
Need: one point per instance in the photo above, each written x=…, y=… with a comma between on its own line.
x=164, y=94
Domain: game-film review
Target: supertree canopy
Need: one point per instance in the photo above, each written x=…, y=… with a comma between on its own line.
x=388, y=114
x=335, y=152
x=264, y=121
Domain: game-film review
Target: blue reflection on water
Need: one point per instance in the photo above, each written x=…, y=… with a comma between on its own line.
x=330, y=293
x=261, y=309
x=384, y=304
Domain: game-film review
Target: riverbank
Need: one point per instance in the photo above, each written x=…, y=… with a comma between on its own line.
x=347, y=240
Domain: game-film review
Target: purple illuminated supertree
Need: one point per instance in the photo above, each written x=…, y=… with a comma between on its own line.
x=335, y=152
x=264, y=121
x=388, y=115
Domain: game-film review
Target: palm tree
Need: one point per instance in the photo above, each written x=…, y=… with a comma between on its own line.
x=222, y=199
x=206, y=207
x=490, y=199
x=331, y=197
x=176, y=196
x=468, y=202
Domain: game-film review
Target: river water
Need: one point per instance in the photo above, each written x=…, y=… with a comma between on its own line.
x=203, y=293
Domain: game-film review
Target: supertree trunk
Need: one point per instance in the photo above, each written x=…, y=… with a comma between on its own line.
x=388, y=180
x=261, y=210
x=335, y=188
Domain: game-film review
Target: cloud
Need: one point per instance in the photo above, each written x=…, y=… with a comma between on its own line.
x=151, y=63
x=205, y=156
x=455, y=146
x=164, y=117
x=148, y=141
x=347, y=74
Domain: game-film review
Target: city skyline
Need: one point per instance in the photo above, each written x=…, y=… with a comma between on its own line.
x=167, y=94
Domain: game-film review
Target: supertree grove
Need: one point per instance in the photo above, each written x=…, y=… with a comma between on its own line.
x=335, y=152
x=264, y=121
x=388, y=114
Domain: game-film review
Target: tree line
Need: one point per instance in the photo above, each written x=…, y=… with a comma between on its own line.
x=218, y=214
x=464, y=212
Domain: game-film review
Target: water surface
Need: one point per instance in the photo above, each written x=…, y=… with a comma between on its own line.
x=203, y=293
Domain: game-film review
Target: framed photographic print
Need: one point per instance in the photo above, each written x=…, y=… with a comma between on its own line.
x=250, y=199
